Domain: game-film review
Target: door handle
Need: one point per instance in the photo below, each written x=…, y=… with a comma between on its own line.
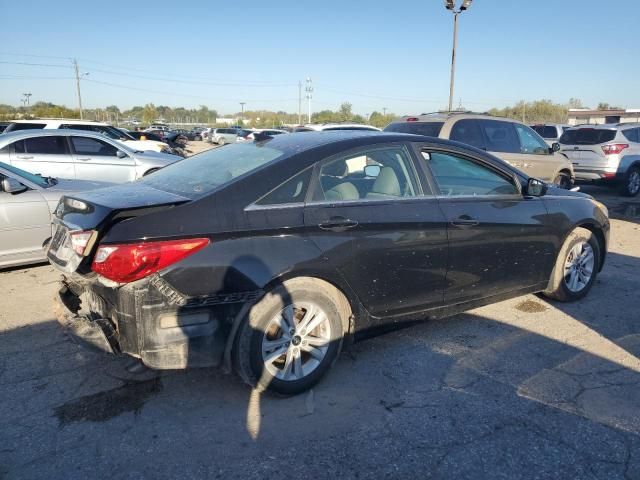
x=337, y=224
x=84, y=159
x=465, y=221
x=25, y=157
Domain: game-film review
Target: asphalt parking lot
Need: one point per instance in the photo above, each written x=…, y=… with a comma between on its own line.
x=527, y=388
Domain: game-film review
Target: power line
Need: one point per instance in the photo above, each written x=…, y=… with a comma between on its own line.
x=146, y=90
x=37, y=64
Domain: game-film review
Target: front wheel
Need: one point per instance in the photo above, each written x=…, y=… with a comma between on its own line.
x=576, y=267
x=292, y=336
x=631, y=184
x=563, y=181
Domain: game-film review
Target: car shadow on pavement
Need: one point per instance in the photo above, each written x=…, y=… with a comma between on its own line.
x=550, y=385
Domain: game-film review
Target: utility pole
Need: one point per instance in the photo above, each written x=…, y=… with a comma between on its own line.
x=309, y=90
x=78, y=76
x=384, y=111
x=26, y=98
x=242, y=104
x=299, y=102
x=450, y=5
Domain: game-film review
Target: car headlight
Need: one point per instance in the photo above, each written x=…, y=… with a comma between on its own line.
x=602, y=206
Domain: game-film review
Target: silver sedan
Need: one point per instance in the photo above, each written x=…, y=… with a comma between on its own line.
x=79, y=154
x=27, y=202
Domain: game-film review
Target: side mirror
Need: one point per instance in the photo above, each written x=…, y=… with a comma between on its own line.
x=555, y=147
x=372, y=170
x=121, y=154
x=536, y=188
x=11, y=185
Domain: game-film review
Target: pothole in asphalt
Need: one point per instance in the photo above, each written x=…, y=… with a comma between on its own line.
x=103, y=406
x=529, y=306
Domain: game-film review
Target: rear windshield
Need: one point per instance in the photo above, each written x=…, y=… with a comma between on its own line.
x=546, y=131
x=587, y=136
x=198, y=175
x=430, y=129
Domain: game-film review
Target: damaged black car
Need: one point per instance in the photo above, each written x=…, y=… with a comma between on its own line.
x=269, y=257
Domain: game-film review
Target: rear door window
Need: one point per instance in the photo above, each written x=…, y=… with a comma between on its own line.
x=44, y=145
x=93, y=147
x=293, y=190
x=587, y=136
x=429, y=129
x=468, y=131
x=500, y=136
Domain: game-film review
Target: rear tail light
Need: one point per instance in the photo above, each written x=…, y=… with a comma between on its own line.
x=614, y=148
x=413, y=119
x=81, y=242
x=130, y=262
x=607, y=175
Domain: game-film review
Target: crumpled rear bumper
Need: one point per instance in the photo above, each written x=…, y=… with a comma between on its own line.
x=143, y=321
x=95, y=334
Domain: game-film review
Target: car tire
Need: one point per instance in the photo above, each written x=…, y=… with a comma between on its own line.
x=576, y=267
x=563, y=181
x=631, y=184
x=221, y=141
x=268, y=357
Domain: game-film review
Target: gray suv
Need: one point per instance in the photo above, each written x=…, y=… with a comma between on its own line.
x=509, y=140
x=607, y=153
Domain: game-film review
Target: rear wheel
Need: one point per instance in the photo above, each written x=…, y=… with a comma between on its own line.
x=563, y=180
x=631, y=184
x=292, y=336
x=576, y=267
x=221, y=141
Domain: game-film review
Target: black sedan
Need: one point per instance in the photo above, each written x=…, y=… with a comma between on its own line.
x=268, y=257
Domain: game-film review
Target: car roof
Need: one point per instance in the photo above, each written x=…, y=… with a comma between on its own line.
x=324, y=126
x=298, y=142
x=444, y=116
x=603, y=126
x=56, y=121
x=10, y=137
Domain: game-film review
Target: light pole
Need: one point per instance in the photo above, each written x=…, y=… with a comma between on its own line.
x=242, y=104
x=309, y=90
x=26, y=98
x=451, y=6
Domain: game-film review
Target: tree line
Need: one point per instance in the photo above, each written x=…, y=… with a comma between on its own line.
x=539, y=111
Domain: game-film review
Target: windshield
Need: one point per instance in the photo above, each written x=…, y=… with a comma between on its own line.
x=203, y=173
x=37, y=179
x=587, y=136
x=429, y=129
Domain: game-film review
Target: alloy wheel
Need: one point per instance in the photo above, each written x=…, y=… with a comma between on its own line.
x=633, y=183
x=296, y=341
x=578, y=267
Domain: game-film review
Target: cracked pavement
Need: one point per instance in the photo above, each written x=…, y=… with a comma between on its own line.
x=526, y=388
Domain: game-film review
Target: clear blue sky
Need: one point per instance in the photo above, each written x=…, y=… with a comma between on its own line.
x=372, y=54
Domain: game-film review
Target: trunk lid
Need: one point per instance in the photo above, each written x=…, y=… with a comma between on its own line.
x=96, y=211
